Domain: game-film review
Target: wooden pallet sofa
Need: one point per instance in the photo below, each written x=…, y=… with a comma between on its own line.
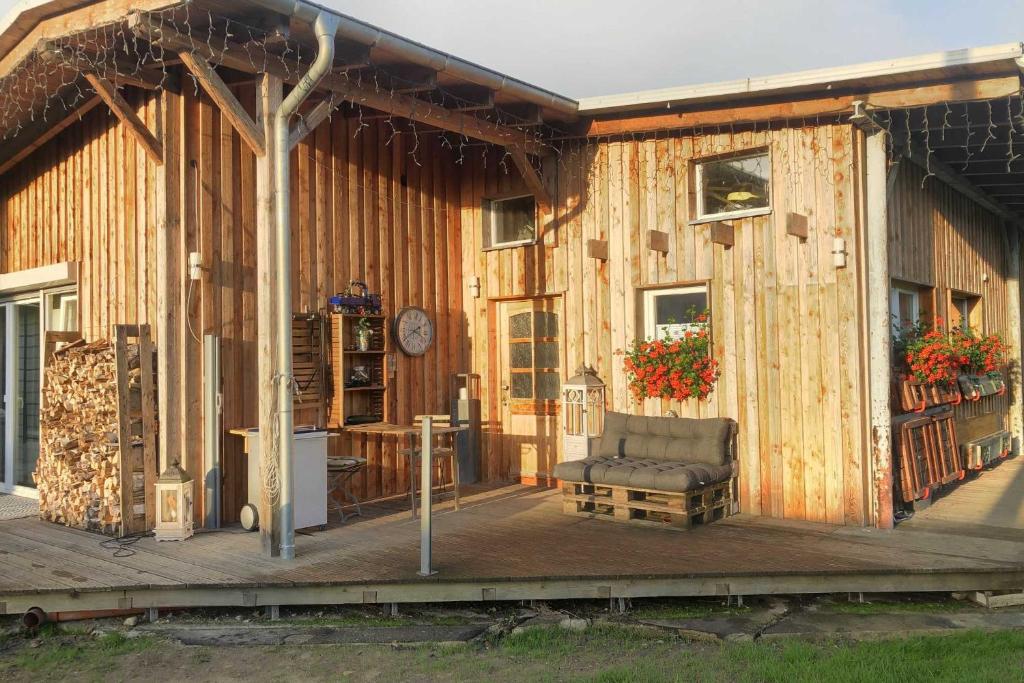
x=655, y=471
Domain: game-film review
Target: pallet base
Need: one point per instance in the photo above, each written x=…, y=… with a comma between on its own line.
x=648, y=507
x=995, y=599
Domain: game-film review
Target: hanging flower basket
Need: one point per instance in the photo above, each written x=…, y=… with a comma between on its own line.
x=673, y=368
x=943, y=365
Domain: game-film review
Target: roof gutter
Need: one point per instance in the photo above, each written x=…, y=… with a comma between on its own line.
x=799, y=81
x=367, y=34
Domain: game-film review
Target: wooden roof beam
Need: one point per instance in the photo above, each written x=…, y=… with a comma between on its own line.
x=400, y=79
x=47, y=132
x=470, y=98
x=124, y=112
x=938, y=168
x=229, y=105
x=235, y=56
x=308, y=123
x=835, y=105
x=118, y=69
x=532, y=179
x=524, y=115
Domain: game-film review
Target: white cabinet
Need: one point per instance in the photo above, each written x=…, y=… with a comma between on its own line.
x=309, y=475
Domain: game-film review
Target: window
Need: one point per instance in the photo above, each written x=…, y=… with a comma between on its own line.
x=904, y=308
x=735, y=186
x=510, y=221
x=534, y=359
x=63, y=312
x=964, y=311
x=672, y=312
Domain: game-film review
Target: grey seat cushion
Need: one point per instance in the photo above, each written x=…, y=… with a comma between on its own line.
x=642, y=473
x=676, y=439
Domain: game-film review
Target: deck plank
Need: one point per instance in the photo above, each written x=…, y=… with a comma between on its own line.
x=519, y=533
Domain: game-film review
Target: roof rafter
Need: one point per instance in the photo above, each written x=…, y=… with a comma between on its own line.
x=123, y=111
x=237, y=57
x=229, y=105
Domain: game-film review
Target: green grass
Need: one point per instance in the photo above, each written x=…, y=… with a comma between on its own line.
x=58, y=650
x=605, y=653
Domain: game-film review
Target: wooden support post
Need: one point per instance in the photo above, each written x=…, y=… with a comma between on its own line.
x=307, y=124
x=533, y=180
x=879, y=326
x=169, y=189
x=124, y=112
x=1013, y=322
x=268, y=101
x=229, y=105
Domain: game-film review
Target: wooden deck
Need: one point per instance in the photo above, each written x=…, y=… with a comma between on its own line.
x=514, y=543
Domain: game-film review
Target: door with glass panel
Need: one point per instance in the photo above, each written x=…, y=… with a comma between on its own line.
x=23, y=323
x=531, y=371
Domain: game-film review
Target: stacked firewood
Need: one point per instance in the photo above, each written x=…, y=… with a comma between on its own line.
x=78, y=473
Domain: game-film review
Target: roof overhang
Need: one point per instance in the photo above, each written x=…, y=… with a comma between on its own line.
x=886, y=74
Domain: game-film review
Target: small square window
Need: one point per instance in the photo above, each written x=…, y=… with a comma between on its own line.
x=965, y=311
x=904, y=308
x=670, y=313
x=733, y=186
x=510, y=222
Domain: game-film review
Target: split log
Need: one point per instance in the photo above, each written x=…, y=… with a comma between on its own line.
x=78, y=472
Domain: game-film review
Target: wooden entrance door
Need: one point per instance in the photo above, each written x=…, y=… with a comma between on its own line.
x=532, y=353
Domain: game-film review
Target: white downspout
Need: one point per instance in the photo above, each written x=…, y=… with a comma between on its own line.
x=325, y=26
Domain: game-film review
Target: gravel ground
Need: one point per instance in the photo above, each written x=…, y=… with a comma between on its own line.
x=14, y=507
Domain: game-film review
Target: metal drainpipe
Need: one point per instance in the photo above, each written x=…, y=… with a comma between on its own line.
x=325, y=26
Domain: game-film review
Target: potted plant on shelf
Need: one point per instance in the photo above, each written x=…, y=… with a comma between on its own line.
x=364, y=334
x=981, y=359
x=675, y=367
x=939, y=365
x=931, y=366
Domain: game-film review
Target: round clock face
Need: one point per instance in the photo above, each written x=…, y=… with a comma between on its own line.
x=413, y=331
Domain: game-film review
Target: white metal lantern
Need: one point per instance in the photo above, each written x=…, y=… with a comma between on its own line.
x=175, y=491
x=583, y=408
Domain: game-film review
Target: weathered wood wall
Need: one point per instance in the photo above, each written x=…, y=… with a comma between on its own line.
x=942, y=240
x=87, y=196
x=785, y=322
x=361, y=210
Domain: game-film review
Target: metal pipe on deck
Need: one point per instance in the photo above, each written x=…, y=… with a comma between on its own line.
x=325, y=26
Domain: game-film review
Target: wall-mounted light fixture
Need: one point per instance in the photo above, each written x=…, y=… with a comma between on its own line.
x=839, y=252
x=473, y=282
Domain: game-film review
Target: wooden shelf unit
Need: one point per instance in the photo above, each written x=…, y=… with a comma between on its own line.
x=366, y=400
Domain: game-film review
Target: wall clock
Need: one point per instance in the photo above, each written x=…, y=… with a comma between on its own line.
x=413, y=331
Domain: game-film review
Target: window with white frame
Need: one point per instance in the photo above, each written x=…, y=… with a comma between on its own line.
x=733, y=187
x=904, y=308
x=510, y=221
x=672, y=312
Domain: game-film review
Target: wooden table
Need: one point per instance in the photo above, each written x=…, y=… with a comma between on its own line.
x=411, y=432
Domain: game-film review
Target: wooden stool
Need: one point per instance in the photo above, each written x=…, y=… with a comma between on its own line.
x=438, y=454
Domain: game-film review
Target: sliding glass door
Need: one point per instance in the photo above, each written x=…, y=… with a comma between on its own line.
x=23, y=326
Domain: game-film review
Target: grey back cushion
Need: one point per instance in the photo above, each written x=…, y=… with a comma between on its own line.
x=675, y=439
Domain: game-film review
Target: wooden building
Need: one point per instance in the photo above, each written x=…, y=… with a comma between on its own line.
x=138, y=133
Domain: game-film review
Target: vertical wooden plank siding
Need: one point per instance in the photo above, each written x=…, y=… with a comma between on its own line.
x=785, y=321
x=943, y=241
